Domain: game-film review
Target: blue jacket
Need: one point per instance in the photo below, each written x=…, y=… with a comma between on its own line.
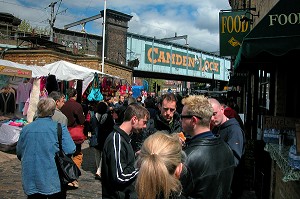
x=36, y=148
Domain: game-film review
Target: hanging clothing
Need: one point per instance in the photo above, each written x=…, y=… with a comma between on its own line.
x=23, y=92
x=7, y=102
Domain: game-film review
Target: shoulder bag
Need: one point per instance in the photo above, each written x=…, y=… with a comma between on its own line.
x=67, y=169
x=77, y=134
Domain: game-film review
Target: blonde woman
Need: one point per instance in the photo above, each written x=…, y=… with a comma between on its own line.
x=160, y=165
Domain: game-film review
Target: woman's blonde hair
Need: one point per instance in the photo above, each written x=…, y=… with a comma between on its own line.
x=159, y=157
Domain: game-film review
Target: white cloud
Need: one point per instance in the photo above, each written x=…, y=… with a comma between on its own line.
x=160, y=18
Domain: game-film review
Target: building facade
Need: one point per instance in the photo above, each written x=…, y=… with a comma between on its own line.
x=271, y=99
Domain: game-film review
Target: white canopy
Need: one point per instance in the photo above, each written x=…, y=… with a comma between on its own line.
x=66, y=71
x=21, y=70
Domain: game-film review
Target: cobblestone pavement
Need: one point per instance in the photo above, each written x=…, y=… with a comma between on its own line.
x=11, y=182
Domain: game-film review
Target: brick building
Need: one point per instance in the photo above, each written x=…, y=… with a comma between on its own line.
x=79, y=48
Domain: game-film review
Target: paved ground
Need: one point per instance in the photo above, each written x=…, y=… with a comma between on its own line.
x=11, y=184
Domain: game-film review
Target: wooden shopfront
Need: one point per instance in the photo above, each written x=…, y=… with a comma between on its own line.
x=269, y=54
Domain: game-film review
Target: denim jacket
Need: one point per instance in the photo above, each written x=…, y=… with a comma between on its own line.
x=36, y=148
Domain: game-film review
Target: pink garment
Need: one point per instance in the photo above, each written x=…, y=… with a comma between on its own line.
x=43, y=83
x=23, y=92
x=26, y=106
x=44, y=93
x=15, y=123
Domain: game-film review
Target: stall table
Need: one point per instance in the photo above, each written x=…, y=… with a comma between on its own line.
x=285, y=180
x=9, y=136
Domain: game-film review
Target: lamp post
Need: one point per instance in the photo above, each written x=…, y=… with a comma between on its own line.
x=213, y=80
x=103, y=36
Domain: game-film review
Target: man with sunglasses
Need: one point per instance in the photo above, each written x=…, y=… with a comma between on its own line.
x=167, y=120
x=209, y=164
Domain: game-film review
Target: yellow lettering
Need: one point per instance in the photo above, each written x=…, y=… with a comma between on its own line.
x=150, y=52
x=184, y=61
x=168, y=57
x=178, y=60
x=206, y=65
x=216, y=66
x=161, y=57
x=192, y=62
x=173, y=58
x=237, y=24
x=223, y=24
x=211, y=66
x=230, y=19
x=245, y=25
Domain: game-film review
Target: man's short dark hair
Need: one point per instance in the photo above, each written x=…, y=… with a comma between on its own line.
x=56, y=95
x=168, y=97
x=71, y=92
x=137, y=110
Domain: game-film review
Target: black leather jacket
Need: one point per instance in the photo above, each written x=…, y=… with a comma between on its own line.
x=161, y=125
x=153, y=125
x=208, y=168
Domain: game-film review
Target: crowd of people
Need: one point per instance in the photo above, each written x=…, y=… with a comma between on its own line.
x=140, y=151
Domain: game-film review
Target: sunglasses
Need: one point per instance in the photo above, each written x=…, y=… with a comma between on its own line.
x=189, y=116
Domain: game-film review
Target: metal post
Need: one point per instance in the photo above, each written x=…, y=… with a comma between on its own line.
x=213, y=80
x=103, y=36
x=52, y=20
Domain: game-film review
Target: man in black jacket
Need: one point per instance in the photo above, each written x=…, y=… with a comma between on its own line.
x=118, y=172
x=167, y=120
x=209, y=164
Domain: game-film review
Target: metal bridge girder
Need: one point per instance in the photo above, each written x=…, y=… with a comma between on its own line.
x=83, y=21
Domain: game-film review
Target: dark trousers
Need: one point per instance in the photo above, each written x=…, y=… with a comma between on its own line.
x=60, y=195
x=237, y=187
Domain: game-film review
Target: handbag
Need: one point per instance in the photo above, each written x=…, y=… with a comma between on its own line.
x=95, y=94
x=67, y=169
x=77, y=134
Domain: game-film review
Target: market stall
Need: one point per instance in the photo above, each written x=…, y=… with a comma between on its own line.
x=108, y=84
x=13, y=77
x=66, y=71
x=279, y=135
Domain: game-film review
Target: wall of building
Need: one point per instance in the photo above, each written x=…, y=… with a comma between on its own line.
x=262, y=7
x=280, y=189
x=116, y=36
x=43, y=57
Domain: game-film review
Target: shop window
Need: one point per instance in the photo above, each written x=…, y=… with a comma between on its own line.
x=264, y=91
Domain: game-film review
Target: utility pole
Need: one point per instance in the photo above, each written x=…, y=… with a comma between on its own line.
x=52, y=19
x=103, y=37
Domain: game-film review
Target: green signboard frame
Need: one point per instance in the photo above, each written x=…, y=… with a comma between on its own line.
x=234, y=26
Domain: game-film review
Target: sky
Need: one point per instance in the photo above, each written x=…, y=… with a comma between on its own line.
x=198, y=19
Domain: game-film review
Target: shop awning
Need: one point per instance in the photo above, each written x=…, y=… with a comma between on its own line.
x=14, y=69
x=276, y=34
x=21, y=70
